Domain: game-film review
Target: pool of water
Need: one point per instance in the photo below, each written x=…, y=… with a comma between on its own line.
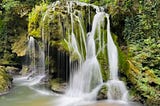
x=24, y=95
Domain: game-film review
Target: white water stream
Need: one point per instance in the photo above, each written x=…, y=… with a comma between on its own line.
x=36, y=65
x=116, y=88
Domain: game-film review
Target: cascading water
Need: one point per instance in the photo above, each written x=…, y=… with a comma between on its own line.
x=73, y=44
x=86, y=81
x=88, y=76
x=41, y=62
x=35, y=62
x=116, y=88
x=31, y=55
x=85, y=76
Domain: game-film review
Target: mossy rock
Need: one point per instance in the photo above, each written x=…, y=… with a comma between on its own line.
x=74, y=56
x=5, y=80
x=20, y=45
x=12, y=70
x=57, y=85
x=102, y=94
x=24, y=70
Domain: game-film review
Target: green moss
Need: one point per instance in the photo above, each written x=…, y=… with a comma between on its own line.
x=102, y=94
x=74, y=56
x=54, y=84
x=4, y=80
x=57, y=85
x=103, y=61
x=123, y=64
x=34, y=28
x=61, y=45
x=87, y=1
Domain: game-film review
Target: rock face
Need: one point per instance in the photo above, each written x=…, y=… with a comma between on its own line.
x=58, y=86
x=20, y=45
x=5, y=80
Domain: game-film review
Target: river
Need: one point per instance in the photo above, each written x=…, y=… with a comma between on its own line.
x=24, y=95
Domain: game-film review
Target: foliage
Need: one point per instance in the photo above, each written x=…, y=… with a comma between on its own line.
x=13, y=23
x=34, y=20
x=87, y=1
x=146, y=54
x=8, y=29
x=144, y=84
x=142, y=34
x=145, y=23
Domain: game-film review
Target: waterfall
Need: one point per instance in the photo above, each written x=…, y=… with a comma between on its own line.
x=112, y=53
x=85, y=46
x=31, y=55
x=88, y=75
x=41, y=62
x=116, y=88
x=36, y=62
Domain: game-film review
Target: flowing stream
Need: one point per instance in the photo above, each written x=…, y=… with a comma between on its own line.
x=35, y=64
x=116, y=88
x=24, y=95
